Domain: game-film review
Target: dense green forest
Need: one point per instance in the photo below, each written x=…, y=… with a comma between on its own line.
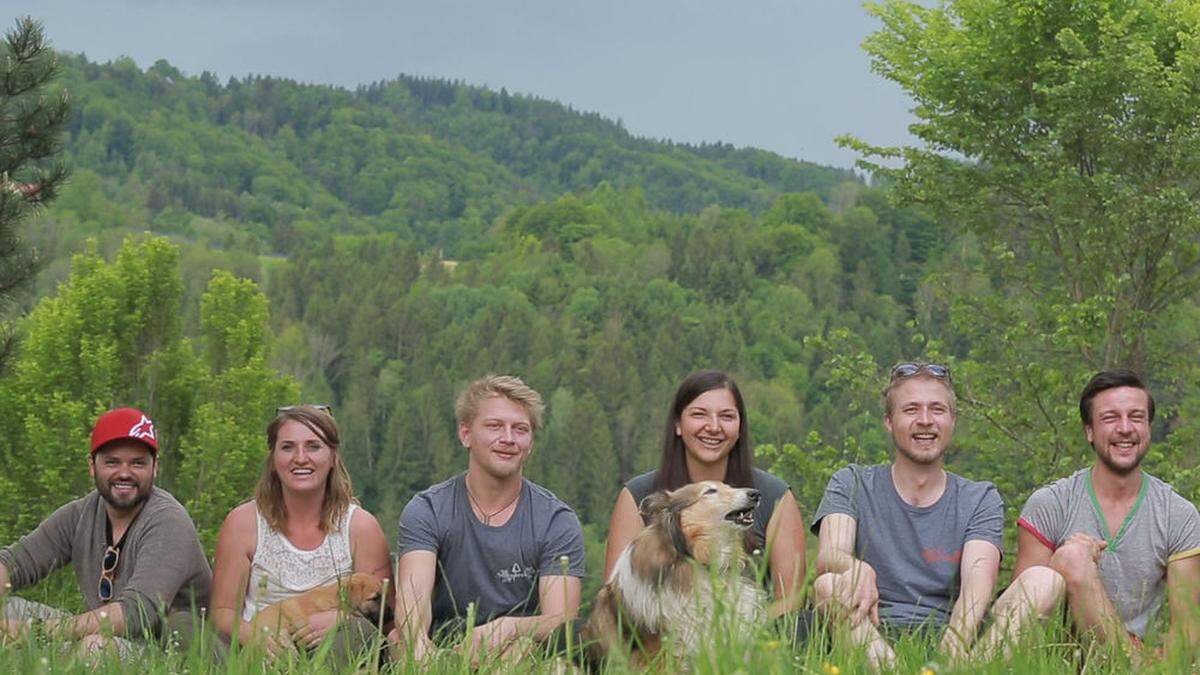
x=415, y=234
x=376, y=249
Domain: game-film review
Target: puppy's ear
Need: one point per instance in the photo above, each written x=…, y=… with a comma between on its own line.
x=655, y=504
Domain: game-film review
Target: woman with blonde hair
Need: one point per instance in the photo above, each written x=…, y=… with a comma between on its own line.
x=302, y=530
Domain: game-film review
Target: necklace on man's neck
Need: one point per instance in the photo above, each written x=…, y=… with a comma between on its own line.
x=484, y=515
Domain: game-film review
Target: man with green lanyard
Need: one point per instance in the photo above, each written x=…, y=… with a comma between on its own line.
x=1119, y=537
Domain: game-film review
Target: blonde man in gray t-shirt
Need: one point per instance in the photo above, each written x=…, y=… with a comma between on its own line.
x=908, y=544
x=489, y=537
x=1115, y=538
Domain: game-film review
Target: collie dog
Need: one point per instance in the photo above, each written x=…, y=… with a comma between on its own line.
x=679, y=572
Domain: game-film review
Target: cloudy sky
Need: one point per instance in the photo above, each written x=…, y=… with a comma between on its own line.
x=785, y=75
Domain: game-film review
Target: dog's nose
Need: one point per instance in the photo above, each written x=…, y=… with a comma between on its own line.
x=753, y=495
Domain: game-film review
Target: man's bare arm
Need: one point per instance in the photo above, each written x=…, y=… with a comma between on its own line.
x=855, y=579
x=558, y=600
x=415, y=577
x=1031, y=551
x=1183, y=592
x=107, y=619
x=835, y=543
x=979, y=567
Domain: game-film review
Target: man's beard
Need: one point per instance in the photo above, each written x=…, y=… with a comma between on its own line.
x=139, y=497
x=919, y=458
x=1120, y=470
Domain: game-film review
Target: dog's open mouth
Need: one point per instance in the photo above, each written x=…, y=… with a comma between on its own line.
x=741, y=517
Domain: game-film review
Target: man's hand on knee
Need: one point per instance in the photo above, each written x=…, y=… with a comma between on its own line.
x=1089, y=544
x=854, y=590
x=1077, y=554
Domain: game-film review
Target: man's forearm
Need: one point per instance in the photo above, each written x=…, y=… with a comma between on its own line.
x=836, y=561
x=979, y=568
x=539, y=626
x=109, y=619
x=414, y=616
x=1184, y=634
x=965, y=618
x=5, y=584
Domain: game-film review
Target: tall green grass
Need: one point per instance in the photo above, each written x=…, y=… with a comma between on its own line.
x=762, y=649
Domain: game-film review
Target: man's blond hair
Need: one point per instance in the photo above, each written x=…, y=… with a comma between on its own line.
x=493, y=386
x=920, y=375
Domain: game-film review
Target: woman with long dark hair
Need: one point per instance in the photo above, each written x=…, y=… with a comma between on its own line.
x=707, y=437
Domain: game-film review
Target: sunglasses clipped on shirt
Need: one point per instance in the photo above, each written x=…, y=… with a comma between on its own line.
x=108, y=568
x=902, y=370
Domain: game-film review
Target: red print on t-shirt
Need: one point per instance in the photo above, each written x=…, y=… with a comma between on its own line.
x=937, y=555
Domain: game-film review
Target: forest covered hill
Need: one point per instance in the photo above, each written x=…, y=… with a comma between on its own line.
x=413, y=234
x=406, y=237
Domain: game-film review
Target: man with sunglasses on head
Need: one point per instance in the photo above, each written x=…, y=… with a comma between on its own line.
x=133, y=547
x=1111, y=537
x=909, y=546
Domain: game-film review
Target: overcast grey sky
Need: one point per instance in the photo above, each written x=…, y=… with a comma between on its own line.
x=785, y=75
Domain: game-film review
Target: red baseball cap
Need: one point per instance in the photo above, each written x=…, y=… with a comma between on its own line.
x=122, y=424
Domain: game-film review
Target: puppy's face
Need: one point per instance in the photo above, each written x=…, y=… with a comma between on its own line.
x=710, y=515
x=364, y=593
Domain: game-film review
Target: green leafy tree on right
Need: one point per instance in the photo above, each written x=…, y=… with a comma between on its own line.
x=1059, y=142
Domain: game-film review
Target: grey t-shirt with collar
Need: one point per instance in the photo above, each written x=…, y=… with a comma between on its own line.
x=915, y=551
x=1160, y=528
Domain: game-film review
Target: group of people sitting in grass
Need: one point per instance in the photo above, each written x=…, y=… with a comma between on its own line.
x=496, y=561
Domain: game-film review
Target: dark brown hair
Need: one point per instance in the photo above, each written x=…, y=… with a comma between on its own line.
x=339, y=494
x=672, y=468
x=1111, y=379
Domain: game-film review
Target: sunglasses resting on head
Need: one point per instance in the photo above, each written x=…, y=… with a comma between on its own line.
x=902, y=370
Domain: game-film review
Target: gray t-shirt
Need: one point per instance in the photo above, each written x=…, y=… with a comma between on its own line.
x=916, y=551
x=497, y=568
x=1161, y=527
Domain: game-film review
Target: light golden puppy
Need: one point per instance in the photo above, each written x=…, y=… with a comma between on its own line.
x=672, y=577
x=359, y=592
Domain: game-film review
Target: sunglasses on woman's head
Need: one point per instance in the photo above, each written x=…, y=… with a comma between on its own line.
x=108, y=566
x=901, y=370
x=323, y=407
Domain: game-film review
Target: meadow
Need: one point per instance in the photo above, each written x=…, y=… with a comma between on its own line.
x=769, y=648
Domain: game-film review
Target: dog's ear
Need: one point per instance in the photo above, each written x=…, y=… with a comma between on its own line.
x=655, y=504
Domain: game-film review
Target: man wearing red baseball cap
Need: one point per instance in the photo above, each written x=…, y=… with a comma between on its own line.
x=134, y=549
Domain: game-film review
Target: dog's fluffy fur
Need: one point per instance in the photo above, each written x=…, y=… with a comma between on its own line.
x=362, y=593
x=671, y=577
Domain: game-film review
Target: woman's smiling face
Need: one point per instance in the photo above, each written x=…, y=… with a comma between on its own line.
x=302, y=460
x=709, y=426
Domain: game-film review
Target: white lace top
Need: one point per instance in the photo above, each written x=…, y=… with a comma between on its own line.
x=280, y=570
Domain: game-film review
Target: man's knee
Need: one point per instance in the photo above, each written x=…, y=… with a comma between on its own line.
x=92, y=643
x=352, y=637
x=1073, y=562
x=20, y=609
x=1042, y=587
